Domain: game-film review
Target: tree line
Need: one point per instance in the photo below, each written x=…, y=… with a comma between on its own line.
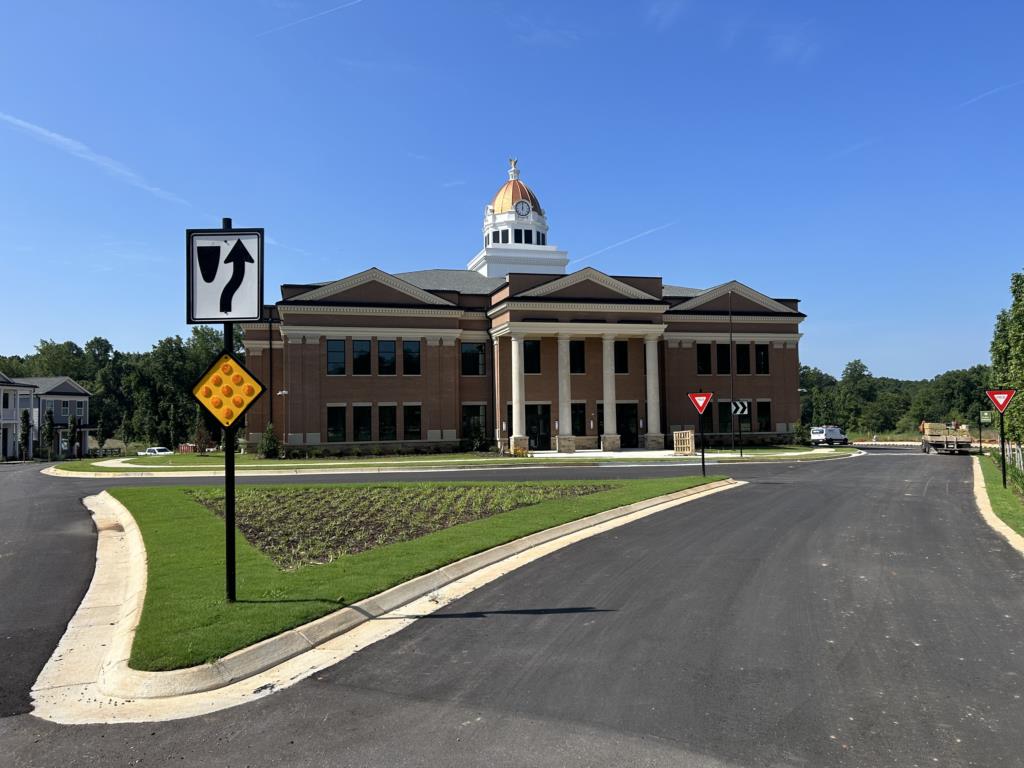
x=136, y=396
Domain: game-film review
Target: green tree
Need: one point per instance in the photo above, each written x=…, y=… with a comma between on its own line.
x=270, y=446
x=47, y=434
x=73, y=436
x=25, y=433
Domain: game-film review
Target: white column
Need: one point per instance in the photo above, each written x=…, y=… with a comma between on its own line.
x=608, y=372
x=564, y=388
x=518, y=389
x=653, y=386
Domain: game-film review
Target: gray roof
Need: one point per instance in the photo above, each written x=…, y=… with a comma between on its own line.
x=681, y=292
x=461, y=280
x=53, y=385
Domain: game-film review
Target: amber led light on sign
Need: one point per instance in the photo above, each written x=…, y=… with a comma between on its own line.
x=227, y=389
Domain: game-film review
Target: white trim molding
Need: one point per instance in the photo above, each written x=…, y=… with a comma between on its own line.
x=594, y=276
x=371, y=275
x=673, y=338
x=740, y=290
x=736, y=319
x=321, y=309
x=366, y=332
x=556, y=306
x=579, y=330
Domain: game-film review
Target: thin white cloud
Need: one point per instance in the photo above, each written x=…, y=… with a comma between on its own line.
x=78, y=149
x=630, y=239
x=793, y=42
x=991, y=92
x=453, y=183
x=663, y=13
x=310, y=18
x=853, y=148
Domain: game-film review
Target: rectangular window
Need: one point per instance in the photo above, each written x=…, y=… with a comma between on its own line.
x=473, y=361
x=79, y=407
x=724, y=416
x=387, y=422
x=579, y=418
x=504, y=235
x=743, y=359
x=531, y=356
x=600, y=418
x=577, y=356
x=528, y=236
x=410, y=358
x=707, y=420
x=362, y=418
x=411, y=422
x=518, y=235
x=361, y=357
x=722, y=353
x=542, y=238
x=764, y=416
x=7, y=400
x=335, y=423
x=63, y=407
x=761, y=358
x=622, y=356
x=335, y=357
x=703, y=359
x=386, y=358
x=473, y=420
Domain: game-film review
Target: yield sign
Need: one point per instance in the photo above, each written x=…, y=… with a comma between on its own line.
x=700, y=400
x=1001, y=397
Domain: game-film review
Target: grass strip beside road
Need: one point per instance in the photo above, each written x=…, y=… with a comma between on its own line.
x=186, y=620
x=1007, y=505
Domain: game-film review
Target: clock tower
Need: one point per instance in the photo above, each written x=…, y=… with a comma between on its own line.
x=516, y=233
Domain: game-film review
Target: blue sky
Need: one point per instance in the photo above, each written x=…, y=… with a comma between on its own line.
x=863, y=157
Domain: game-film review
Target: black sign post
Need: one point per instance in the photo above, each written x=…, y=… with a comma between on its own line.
x=1002, y=445
x=229, y=460
x=703, y=469
x=740, y=408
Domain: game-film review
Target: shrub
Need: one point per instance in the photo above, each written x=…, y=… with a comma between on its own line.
x=270, y=446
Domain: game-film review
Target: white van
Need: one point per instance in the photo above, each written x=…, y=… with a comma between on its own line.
x=828, y=436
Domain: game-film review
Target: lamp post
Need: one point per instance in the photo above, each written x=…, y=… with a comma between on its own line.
x=284, y=393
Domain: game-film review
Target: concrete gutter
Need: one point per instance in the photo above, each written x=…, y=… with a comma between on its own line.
x=1014, y=539
x=88, y=680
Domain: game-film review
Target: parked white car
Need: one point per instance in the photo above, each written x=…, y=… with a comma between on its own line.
x=830, y=435
x=157, y=451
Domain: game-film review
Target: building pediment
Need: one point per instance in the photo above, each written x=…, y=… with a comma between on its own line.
x=743, y=298
x=587, y=283
x=373, y=286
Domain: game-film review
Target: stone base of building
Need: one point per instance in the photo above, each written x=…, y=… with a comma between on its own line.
x=654, y=442
x=587, y=442
x=565, y=444
x=519, y=443
x=610, y=442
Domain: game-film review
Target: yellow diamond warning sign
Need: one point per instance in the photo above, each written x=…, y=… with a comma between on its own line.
x=227, y=389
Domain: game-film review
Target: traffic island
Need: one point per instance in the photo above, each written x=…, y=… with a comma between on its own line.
x=180, y=595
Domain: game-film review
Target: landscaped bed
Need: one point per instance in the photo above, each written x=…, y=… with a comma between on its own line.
x=309, y=550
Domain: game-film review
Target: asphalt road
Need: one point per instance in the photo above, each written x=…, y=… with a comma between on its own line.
x=849, y=613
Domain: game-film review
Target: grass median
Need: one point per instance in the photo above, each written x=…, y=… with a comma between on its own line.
x=310, y=550
x=1007, y=505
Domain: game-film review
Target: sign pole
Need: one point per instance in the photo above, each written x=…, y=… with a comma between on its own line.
x=1002, y=445
x=703, y=469
x=739, y=426
x=981, y=451
x=229, y=472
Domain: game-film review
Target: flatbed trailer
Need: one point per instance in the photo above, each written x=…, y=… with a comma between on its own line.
x=944, y=438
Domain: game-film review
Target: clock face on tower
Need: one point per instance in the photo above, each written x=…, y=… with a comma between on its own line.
x=522, y=208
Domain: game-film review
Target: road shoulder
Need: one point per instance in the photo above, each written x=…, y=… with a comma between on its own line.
x=988, y=515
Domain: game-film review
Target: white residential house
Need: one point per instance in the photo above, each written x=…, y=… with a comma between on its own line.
x=11, y=394
x=60, y=394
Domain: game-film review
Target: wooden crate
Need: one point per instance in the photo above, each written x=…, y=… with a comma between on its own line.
x=682, y=442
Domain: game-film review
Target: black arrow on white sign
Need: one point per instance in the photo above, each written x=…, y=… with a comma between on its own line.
x=238, y=257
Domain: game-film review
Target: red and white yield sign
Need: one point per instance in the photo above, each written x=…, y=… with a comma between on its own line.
x=1001, y=397
x=701, y=400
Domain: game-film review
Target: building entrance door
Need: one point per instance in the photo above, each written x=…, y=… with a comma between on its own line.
x=626, y=421
x=538, y=427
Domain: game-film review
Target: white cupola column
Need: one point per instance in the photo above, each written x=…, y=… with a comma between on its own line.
x=654, y=440
x=519, y=438
x=564, y=441
x=610, y=438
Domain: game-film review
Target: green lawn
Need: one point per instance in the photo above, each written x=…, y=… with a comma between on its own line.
x=1005, y=503
x=186, y=620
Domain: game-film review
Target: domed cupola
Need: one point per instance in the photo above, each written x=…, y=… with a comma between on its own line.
x=516, y=233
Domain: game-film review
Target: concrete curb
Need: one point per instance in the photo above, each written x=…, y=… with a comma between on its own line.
x=1014, y=539
x=118, y=680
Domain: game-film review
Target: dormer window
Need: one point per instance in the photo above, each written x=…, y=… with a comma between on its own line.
x=504, y=235
x=528, y=236
x=519, y=236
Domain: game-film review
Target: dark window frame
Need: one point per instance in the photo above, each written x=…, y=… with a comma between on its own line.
x=576, y=411
x=358, y=355
x=527, y=237
x=762, y=359
x=529, y=357
x=703, y=367
x=621, y=356
x=387, y=432
x=358, y=412
x=517, y=236
x=577, y=356
x=384, y=369
x=724, y=425
x=764, y=416
x=333, y=357
x=468, y=366
x=332, y=437
x=408, y=356
x=480, y=415
x=742, y=359
x=722, y=355
x=407, y=434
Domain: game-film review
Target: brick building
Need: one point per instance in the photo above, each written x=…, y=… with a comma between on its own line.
x=518, y=350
